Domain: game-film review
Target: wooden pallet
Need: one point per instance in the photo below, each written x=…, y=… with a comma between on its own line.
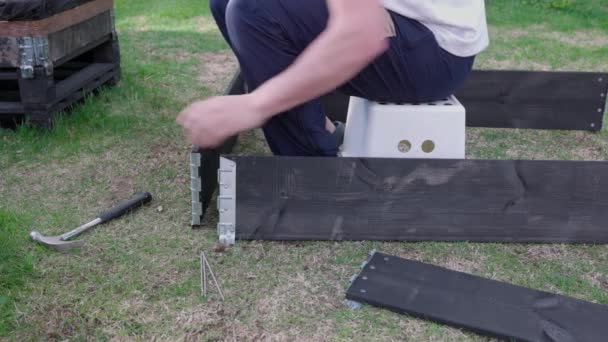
x=74, y=53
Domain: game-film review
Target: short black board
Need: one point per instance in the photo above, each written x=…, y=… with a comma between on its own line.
x=535, y=99
x=481, y=305
x=307, y=198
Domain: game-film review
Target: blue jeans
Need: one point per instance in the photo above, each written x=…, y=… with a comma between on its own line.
x=268, y=35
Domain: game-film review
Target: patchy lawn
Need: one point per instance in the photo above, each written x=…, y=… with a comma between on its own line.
x=138, y=277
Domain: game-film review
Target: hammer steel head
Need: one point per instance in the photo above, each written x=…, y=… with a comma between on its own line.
x=55, y=242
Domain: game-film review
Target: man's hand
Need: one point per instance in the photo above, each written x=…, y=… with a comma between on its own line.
x=210, y=122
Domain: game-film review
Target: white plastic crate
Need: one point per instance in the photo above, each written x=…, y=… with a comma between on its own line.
x=428, y=130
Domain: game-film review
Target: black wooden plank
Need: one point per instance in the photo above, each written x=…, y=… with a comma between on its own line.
x=304, y=198
x=541, y=100
x=78, y=80
x=8, y=75
x=521, y=99
x=10, y=108
x=210, y=158
x=89, y=86
x=482, y=305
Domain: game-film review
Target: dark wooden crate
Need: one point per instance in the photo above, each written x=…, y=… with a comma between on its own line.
x=81, y=53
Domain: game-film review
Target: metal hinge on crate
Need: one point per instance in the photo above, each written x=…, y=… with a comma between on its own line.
x=33, y=52
x=226, y=201
x=196, y=187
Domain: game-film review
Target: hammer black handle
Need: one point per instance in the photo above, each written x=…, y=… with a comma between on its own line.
x=123, y=207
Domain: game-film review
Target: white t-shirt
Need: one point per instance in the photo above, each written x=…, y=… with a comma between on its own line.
x=459, y=26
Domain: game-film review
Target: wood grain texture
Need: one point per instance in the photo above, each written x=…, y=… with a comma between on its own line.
x=9, y=52
x=542, y=100
x=70, y=42
x=481, y=305
x=55, y=23
x=78, y=80
x=521, y=99
x=298, y=198
x=77, y=86
x=9, y=74
x=10, y=108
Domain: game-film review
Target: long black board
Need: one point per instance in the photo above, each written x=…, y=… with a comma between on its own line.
x=522, y=99
x=482, y=305
x=304, y=198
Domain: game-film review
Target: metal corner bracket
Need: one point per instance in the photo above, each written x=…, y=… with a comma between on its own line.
x=351, y=304
x=226, y=201
x=34, y=52
x=196, y=187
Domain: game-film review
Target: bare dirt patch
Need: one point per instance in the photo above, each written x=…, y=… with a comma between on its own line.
x=513, y=33
x=584, y=39
x=216, y=68
x=519, y=65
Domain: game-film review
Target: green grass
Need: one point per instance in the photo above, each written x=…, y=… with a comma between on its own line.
x=137, y=278
x=17, y=266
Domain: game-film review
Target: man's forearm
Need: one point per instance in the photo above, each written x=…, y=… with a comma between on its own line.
x=350, y=42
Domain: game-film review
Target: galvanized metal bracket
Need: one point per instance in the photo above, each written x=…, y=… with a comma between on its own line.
x=34, y=52
x=196, y=187
x=226, y=201
x=351, y=304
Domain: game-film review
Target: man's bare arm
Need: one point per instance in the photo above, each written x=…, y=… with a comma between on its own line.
x=354, y=36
